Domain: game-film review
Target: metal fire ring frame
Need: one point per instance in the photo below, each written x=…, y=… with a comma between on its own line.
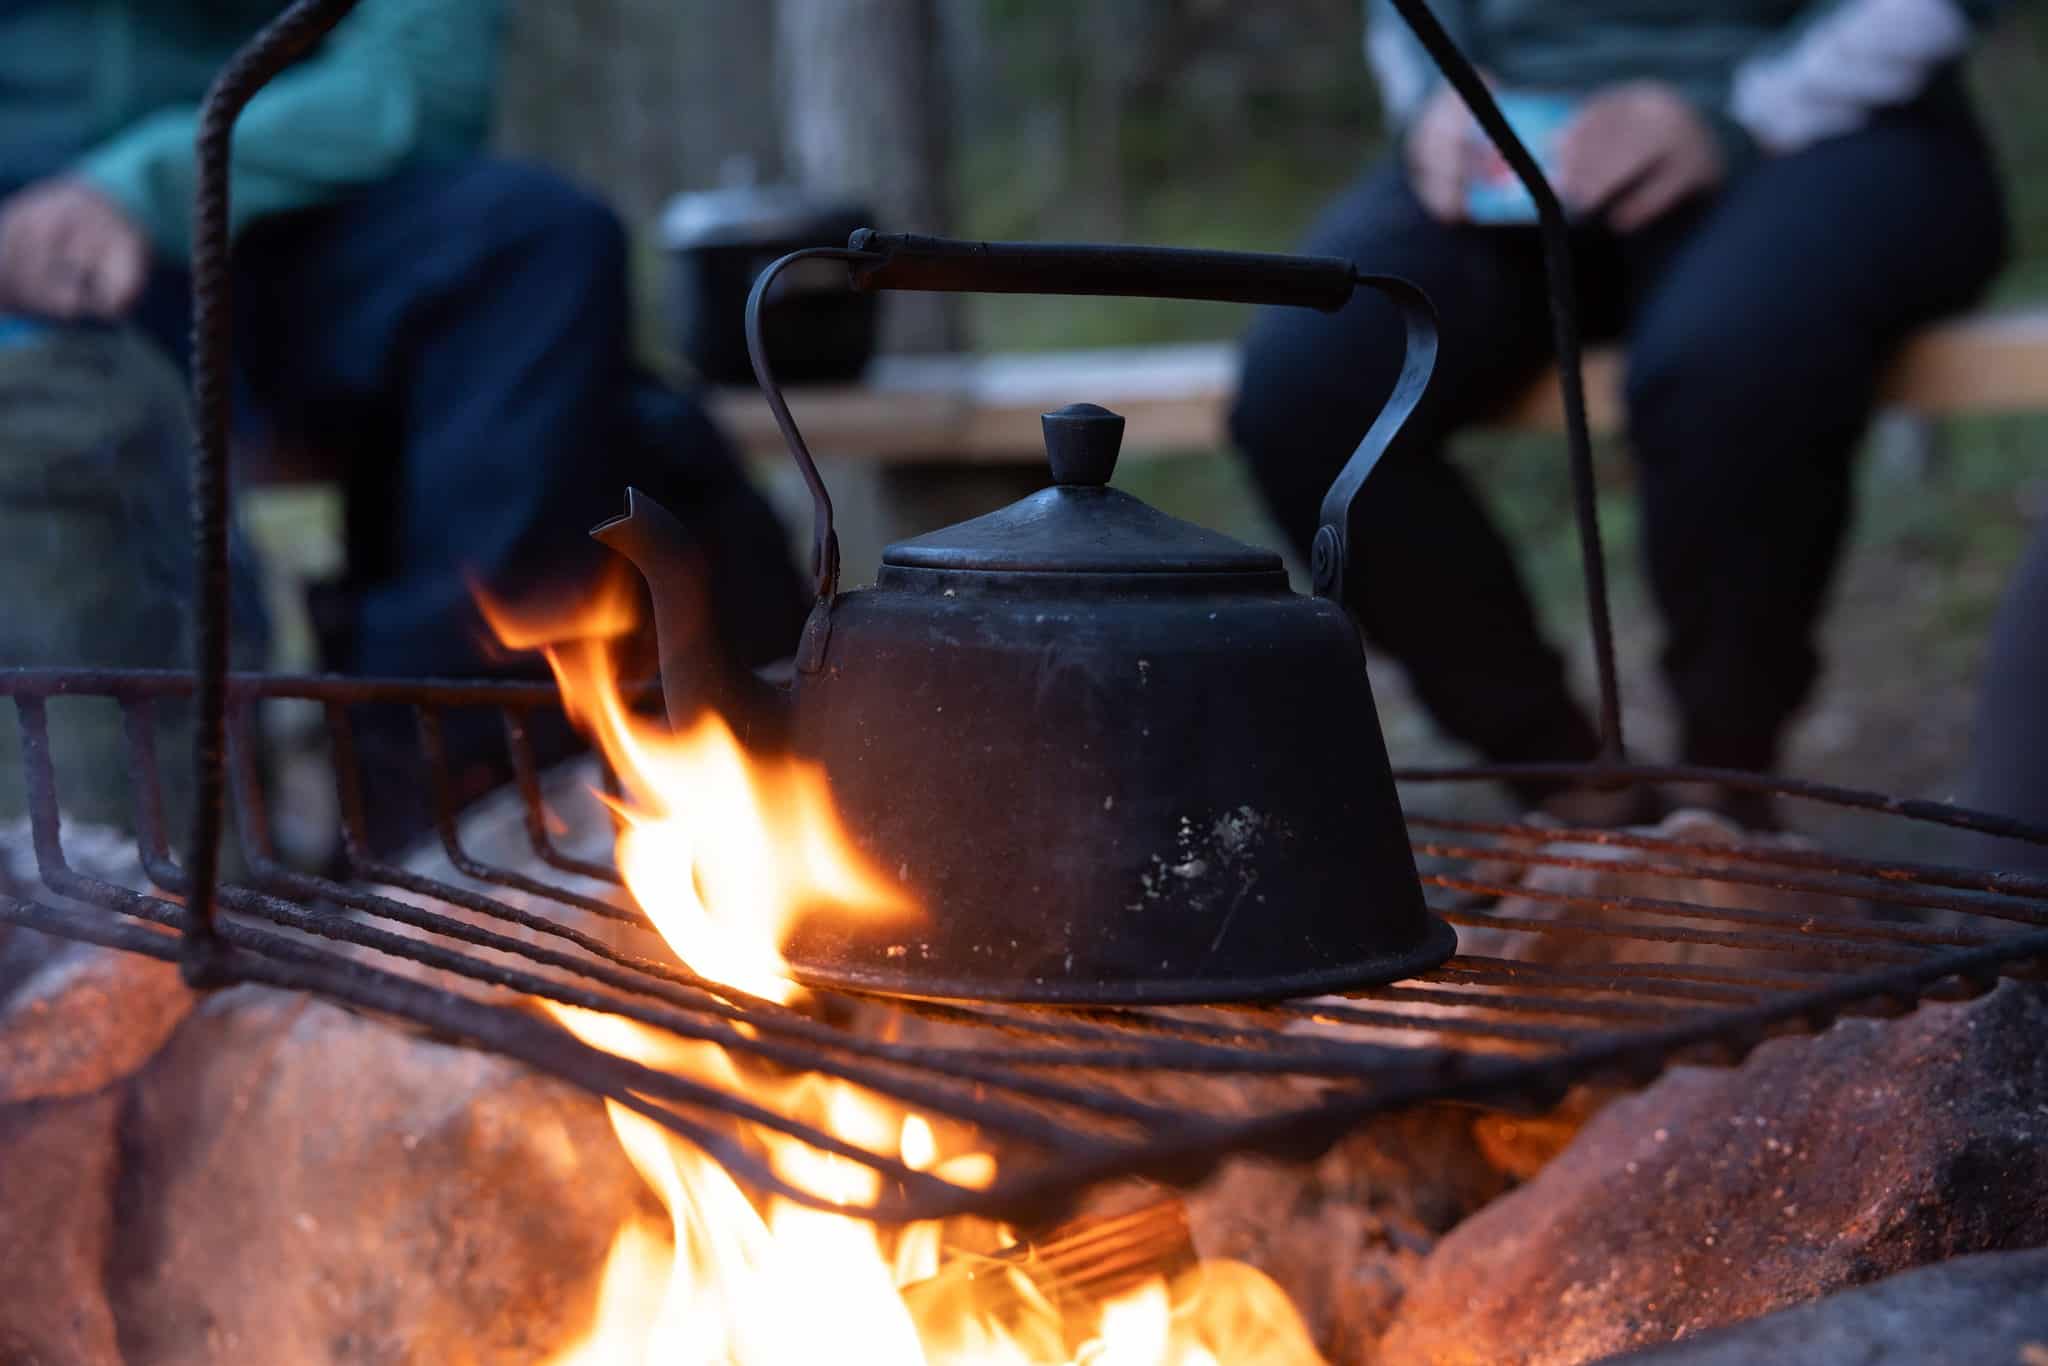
x=1703, y=959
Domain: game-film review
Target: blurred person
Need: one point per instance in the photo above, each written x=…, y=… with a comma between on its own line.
x=1767, y=197
x=448, y=331
x=94, y=551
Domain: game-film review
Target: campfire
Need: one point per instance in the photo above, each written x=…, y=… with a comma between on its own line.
x=724, y=853
x=1156, y=1157
x=946, y=1179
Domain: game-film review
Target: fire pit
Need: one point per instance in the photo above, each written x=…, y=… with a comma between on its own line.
x=1587, y=956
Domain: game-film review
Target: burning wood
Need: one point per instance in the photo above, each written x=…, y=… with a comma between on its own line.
x=1073, y=1270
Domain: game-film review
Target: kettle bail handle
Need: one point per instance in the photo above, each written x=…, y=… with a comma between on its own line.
x=903, y=261
x=945, y=265
x=1330, y=557
x=824, y=540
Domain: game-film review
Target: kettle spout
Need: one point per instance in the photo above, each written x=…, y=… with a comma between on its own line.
x=694, y=672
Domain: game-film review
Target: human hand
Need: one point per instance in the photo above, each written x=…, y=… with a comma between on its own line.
x=1635, y=151
x=1438, y=153
x=68, y=251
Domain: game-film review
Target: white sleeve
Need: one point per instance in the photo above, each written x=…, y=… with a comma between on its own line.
x=1858, y=57
x=1399, y=66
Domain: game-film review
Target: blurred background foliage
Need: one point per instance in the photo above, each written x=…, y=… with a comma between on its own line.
x=1201, y=122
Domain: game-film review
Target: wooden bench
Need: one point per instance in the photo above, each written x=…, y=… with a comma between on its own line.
x=984, y=409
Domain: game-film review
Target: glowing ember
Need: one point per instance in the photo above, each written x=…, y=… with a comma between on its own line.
x=726, y=852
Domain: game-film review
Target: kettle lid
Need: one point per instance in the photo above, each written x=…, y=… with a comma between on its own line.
x=1081, y=525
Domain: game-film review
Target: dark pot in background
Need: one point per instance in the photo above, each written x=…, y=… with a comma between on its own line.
x=717, y=241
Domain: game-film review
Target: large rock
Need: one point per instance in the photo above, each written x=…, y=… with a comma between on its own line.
x=1990, y=1308
x=57, y=1175
x=83, y=1018
x=1344, y=1235
x=1716, y=1196
x=310, y=1185
x=75, y=1017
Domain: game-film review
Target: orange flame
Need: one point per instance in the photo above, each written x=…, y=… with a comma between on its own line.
x=725, y=852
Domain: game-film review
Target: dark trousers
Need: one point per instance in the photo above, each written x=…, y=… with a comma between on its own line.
x=1757, y=326
x=454, y=341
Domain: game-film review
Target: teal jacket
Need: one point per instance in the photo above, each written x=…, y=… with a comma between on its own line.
x=110, y=90
x=1770, y=75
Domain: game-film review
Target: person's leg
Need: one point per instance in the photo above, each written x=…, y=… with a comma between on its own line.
x=1752, y=369
x=480, y=313
x=1439, y=589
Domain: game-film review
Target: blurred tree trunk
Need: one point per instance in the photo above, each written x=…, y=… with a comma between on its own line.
x=641, y=98
x=1116, y=36
x=865, y=113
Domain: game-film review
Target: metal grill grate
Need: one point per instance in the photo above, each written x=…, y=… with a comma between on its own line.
x=1701, y=951
x=1695, y=953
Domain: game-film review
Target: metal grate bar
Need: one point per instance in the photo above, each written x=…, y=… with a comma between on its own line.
x=1831, y=794
x=1926, y=879
x=435, y=749
x=1525, y=1004
x=1745, y=940
x=1815, y=925
x=527, y=775
x=1658, y=981
x=1846, y=887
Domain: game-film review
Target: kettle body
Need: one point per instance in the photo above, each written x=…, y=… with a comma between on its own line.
x=1109, y=753
x=1110, y=794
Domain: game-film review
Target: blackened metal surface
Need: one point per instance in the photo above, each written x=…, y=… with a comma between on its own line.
x=1110, y=797
x=1081, y=443
x=1083, y=530
x=283, y=41
x=908, y=261
x=1071, y=655
x=1162, y=774
x=692, y=677
x=1330, y=552
x=840, y=970
x=1710, y=965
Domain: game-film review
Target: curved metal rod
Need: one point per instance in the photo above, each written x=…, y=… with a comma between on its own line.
x=1564, y=322
x=1330, y=558
x=284, y=41
x=824, y=540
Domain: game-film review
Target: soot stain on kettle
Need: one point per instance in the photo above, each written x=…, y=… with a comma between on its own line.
x=1213, y=867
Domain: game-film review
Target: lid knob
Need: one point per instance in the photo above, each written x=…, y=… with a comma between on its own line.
x=1081, y=442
